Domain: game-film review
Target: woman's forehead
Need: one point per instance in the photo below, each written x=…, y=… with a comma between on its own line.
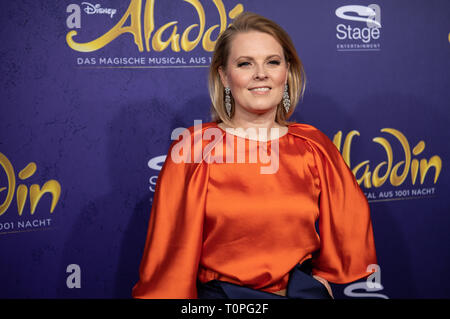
x=254, y=44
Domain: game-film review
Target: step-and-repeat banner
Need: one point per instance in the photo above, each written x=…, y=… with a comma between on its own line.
x=91, y=91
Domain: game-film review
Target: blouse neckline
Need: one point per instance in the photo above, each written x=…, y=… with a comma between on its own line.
x=233, y=132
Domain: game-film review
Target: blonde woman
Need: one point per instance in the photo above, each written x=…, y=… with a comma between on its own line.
x=220, y=228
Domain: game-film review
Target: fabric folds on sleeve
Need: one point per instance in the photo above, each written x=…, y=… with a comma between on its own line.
x=347, y=245
x=173, y=246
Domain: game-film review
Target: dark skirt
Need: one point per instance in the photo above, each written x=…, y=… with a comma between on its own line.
x=301, y=285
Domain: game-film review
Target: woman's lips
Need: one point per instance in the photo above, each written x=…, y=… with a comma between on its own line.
x=260, y=90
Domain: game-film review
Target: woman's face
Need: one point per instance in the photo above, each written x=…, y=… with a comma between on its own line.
x=256, y=73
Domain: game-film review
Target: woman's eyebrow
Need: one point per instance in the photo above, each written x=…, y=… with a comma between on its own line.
x=273, y=56
x=251, y=58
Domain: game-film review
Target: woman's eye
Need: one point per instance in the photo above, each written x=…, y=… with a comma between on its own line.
x=243, y=64
x=275, y=62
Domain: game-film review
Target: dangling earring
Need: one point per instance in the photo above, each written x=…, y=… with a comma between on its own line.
x=286, y=99
x=228, y=101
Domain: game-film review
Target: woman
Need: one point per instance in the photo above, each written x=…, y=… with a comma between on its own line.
x=223, y=229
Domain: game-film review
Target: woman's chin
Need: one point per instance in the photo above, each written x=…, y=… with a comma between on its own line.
x=260, y=109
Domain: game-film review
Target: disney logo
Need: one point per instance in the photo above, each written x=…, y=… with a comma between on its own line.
x=97, y=9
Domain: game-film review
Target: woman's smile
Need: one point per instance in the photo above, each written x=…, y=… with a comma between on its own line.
x=261, y=90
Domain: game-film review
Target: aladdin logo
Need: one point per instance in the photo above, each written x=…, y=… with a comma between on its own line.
x=410, y=167
x=148, y=34
x=97, y=9
x=370, y=15
x=35, y=194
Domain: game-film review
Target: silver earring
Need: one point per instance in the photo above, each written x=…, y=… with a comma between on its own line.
x=286, y=99
x=228, y=101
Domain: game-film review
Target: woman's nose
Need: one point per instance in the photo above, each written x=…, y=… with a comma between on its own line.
x=260, y=73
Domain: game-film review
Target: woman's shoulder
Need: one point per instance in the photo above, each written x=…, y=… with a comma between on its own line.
x=321, y=144
x=310, y=133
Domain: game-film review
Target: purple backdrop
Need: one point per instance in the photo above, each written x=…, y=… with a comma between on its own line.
x=92, y=126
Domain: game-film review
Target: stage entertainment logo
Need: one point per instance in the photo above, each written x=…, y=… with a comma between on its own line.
x=19, y=222
x=361, y=30
x=157, y=40
x=414, y=176
x=155, y=164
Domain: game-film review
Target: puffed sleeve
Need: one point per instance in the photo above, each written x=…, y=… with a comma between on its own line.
x=169, y=265
x=346, y=236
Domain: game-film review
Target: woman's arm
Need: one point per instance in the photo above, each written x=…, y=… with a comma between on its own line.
x=174, y=238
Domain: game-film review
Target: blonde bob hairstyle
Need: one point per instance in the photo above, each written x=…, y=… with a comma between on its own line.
x=246, y=22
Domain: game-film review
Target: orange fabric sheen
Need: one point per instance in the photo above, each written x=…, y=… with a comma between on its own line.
x=227, y=221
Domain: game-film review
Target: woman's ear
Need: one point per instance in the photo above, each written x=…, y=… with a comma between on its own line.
x=223, y=76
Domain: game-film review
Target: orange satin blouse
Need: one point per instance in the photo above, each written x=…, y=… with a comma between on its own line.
x=225, y=220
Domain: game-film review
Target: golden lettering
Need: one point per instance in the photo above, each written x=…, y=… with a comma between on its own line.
x=237, y=10
x=36, y=193
x=415, y=163
x=22, y=190
x=347, y=144
x=435, y=162
x=409, y=165
x=394, y=178
x=51, y=186
x=28, y=171
x=9, y=170
x=157, y=43
x=366, y=175
x=418, y=148
x=149, y=22
x=185, y=43
x=207, y=43
x=414, y=170
x=21, y=196
x=337, y=139
x=376, y=180
x=133, y=12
